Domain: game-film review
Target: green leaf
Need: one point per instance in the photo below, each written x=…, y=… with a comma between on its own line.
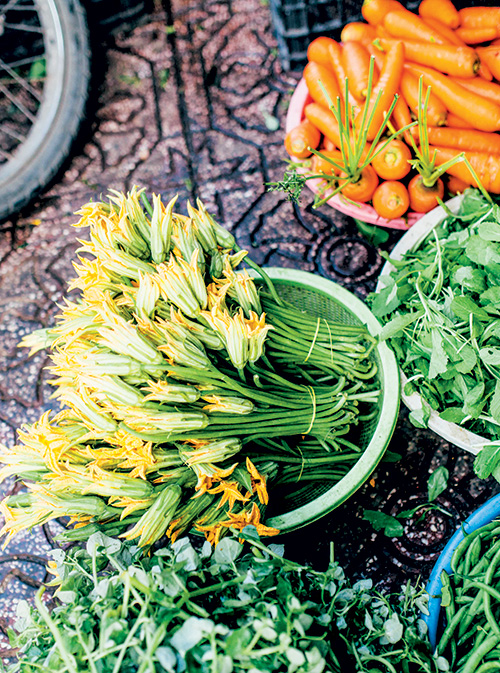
x=437, y=482
x=453, y=415
x=375, y=235
x=481, y=252
x=391, y=526
x=393, y=629
x=490, y=355
x=469, y=278
x=464, y=307
x=495, y=403
x=491, y=295
x=489, y=231
x=420, y=417
x=468, y=359
x=386, y=300
x=439, y=359
x=487, y=461
x=227, y=551
x=398, y=324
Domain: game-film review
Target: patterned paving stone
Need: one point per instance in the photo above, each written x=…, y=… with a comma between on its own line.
x=193, y=101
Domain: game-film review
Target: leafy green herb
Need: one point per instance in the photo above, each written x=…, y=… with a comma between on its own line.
x=440, y=309
x=292, y=185
x=216, y=612
x=374, y=234
x=437, y=482
x=380, y=521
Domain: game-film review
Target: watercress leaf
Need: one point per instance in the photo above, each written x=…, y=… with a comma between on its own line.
x=386, y=300
x=237, y=641
x=99, y=540
x=490, y=355
x=295, y=656
x=379, y=520
x=491, y=295
x=420, y=417
x=463, y=307
x=398, y=324
x=474, y=400
x=472, y=279
x=481, y=252
x=393, y=629
x=445, y=596
x=227, y=551
x=453, y=415
x=191, y=632
x=468, y=359
x=167, y=659
x=487, y=460
x=489, y=231
x=437, y=482
x=439, y=359
x=495, y=403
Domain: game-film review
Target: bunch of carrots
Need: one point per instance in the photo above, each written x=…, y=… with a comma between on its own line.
x=366, y=92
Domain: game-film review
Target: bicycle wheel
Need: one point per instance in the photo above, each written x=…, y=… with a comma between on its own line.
x=44, y=79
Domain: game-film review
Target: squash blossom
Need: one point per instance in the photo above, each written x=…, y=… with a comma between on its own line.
x=188, y=389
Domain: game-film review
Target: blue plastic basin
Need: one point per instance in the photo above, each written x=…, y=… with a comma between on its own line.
x=483, y=515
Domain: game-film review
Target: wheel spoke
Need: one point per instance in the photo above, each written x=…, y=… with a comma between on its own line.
x=24, y=61
x=17, y=103
x=12, y=4
x=21, y=81
x=13, y=134
x=23, y=26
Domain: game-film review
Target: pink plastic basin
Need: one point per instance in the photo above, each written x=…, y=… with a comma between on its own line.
x=364, y=212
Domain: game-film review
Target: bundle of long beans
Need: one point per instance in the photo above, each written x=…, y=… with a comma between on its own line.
x=471, y=604
x=180, y=396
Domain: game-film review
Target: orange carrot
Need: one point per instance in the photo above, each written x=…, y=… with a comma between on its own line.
x=477, y=35
x=336, y=65
x=455, y=122
x=318, y=51
x=455, y=185
x=442, y=8
x=320, y=165
x=448, y=58
x=495, y=43
x=447, y=33
x=357, y=32
x=484, y=72
x=465, y=139
x=483, y=114
x=402, y=117
x=380, y=31
x=374, y=11
x=436, y=111
x=488, y=90
x=324, y=121
x=314, y=73
x=356, y=62
x=403, y=24
x=487, y=167
x=479, y=17
x=377, y=55
x=387, y=86
x=491, y=57
x=301, y=138
x=328, y=144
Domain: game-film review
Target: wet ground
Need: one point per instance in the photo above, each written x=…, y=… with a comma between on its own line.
x=193, y=101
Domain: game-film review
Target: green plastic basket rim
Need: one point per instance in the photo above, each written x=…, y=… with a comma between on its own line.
x=389, y=407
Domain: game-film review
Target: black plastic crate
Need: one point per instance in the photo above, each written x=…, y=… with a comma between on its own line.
x=298, y=22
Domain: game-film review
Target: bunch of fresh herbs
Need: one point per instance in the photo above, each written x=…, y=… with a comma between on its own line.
x=216, y=612
x=441, y=309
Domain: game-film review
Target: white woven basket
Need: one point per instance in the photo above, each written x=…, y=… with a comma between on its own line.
x=411, y=240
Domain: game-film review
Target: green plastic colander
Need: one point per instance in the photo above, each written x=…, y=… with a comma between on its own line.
x=326, y=299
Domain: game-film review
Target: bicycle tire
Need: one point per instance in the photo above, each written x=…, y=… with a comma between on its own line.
x=49, y=142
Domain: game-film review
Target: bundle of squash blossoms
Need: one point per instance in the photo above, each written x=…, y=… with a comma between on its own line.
x=187, y=391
